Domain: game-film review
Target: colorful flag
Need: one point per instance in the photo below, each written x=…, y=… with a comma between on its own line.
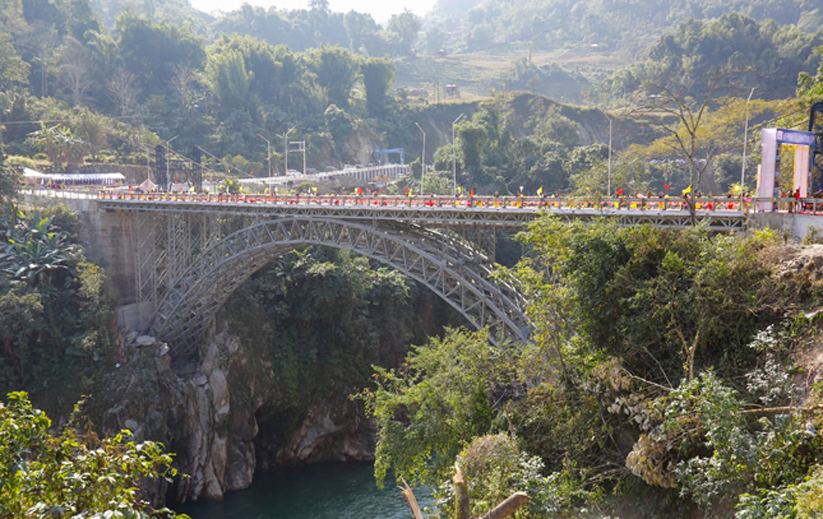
x=666, y=187
x=619, y=192
x=687, y=190
x=540, y=191
x=471, y=193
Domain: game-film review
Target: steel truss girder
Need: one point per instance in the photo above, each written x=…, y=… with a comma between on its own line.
x=442, y=264
x=439, y=217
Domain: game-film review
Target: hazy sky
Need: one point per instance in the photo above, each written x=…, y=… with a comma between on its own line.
x=380, y=10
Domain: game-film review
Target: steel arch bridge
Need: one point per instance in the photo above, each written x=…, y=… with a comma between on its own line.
x=177, y=257
x=186, y=298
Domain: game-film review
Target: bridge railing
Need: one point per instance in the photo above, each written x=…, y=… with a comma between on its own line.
x=703, y=205
x=499, y=202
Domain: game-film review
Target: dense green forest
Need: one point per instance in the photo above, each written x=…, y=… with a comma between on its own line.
x=105, y=82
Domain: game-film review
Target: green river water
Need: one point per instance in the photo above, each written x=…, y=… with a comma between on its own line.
x=325, y=491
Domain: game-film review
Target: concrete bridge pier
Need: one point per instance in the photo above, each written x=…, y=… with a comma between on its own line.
x=108, y=238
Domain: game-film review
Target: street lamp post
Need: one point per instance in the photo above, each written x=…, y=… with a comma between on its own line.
x=745, y=140
x=268, y=151
x=609, y=184
x=454, y=154
x=610, y=157
x=422, y=158
x=286, y=147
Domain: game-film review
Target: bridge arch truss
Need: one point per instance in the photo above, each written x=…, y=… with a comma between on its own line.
x=191, y=295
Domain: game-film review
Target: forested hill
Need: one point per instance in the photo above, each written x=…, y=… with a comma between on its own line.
x=105, y=81
x=548, y=23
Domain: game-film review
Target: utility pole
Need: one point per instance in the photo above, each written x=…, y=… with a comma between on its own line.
x=422, y=158
x=300, y=146
x=745, y=141
x=454, y=154
x=268, y=151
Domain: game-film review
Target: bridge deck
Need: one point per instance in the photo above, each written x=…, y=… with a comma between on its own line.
x=511, y=212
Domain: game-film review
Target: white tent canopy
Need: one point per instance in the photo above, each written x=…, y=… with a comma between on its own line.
x=76, y=178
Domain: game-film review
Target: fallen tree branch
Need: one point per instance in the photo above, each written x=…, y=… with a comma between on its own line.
x=409, y=495
x=508, y=507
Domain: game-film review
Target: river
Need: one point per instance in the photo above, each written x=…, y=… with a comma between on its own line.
x=324, y=491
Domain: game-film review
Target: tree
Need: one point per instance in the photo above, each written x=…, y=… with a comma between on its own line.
x=73, y=473
x=336, y=70
x=60, y=144
x=812, y=86
x=13, y=70
x=229, y=79
x=75, y=70
x=404, y=28
x=20, y=313
x=8, y=180
x=378, y=75
x=686, y=137
x=125, y=89
x=432, y=408
x=152, y=51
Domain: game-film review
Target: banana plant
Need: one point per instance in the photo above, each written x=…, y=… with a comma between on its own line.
x=34, y=252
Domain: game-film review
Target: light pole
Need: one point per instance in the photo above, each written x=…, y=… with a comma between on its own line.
x=268, y=151
x=609, y=188
x=454, y=155
x=286, y=147
x=422, y=158
x=745, y=139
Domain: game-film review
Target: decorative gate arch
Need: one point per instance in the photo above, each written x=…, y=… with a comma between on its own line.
x=448, y=267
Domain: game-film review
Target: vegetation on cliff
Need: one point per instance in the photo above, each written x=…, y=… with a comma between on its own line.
x=662, y=362
x=72, y=473
x=57, y=321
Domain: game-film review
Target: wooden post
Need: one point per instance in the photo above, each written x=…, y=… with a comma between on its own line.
x=462, y=508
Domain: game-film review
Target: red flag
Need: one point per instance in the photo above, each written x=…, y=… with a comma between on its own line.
x=471, y=193
x=406, y=188
x=251, y=172
x=620, y=192
x=666, y=187
x=359, y=191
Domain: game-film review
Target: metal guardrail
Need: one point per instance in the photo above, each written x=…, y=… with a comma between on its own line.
x=367, y=174
x=715, y=207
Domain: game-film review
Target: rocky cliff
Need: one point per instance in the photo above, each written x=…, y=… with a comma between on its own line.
x=208, y=417
x=270, y=386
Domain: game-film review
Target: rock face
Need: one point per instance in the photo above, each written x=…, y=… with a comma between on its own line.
x=325, y=435
x=206, y=413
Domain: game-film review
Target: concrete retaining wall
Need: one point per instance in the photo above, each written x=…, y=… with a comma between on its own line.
x=798, y=226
